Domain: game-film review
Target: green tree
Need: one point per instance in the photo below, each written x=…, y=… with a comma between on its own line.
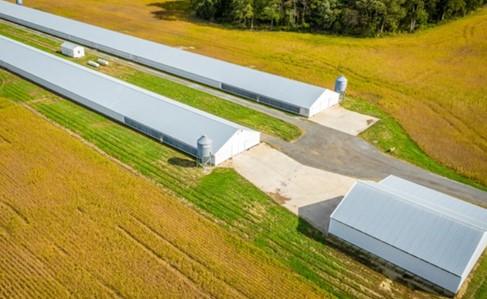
x=242, y=12
x=323, y=14
x=452, y=8
x=395, y=12
x=271, y=12
x=416, y=14
x=205, y=9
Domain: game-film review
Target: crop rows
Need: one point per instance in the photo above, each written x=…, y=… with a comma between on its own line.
x=97, y=238
x=225, y=196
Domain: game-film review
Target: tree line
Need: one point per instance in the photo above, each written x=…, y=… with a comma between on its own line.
x=354, y=17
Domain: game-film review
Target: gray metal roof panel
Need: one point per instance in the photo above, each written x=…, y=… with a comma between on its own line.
x=424, y=233
x=69, y=45
x=280, y=88
x=458, y=209
x=165, y=115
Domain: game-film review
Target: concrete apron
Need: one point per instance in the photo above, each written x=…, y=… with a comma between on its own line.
x=310, y=193
x=344, y=120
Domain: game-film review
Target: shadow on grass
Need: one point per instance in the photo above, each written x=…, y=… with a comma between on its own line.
x=318, y=214
x=172, y=10
x=185, y=163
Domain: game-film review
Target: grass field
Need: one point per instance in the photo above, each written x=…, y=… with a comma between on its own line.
x=385, y=135
x=389, y=136
x=433, y=82
x=223, y=196
x=270, y=232
x=67, y=230
x=206, y=102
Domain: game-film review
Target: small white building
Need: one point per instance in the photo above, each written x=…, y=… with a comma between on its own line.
x=72, y=50
x=434, y=236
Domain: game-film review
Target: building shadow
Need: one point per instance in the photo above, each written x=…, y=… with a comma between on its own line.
x=318, y=214
x=181, y=162
x=171, y=10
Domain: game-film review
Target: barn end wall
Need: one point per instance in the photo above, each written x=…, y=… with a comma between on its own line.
x=475, y=257
x=241, y=141
x=412, y=264
x=327, y=99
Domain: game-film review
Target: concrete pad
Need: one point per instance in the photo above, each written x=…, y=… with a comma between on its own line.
x=344, y=120
x=308, y=192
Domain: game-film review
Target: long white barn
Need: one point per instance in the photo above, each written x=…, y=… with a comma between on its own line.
x=168, y=121
x=428, y=233
x=279, y=92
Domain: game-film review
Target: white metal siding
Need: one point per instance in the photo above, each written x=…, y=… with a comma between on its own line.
x=475, y=257
x=241, y=141
x=326, y=100
x=406, y=261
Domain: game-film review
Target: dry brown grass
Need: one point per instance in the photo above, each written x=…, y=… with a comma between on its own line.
x=66, y=229
x=433, y=82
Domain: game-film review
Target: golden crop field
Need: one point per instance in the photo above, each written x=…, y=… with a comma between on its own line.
x=68, y=230
x=433, y=82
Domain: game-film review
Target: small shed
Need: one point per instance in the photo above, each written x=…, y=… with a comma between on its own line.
x=427, y=233
x=72, y=50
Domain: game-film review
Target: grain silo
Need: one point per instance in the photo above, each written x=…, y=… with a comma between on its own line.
x=205, y=148
x=341, y=84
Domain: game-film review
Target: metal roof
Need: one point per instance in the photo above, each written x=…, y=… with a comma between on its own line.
x=69, y=45
x=177, y=120
x=276, y=87
x=406, y=216
x=442, y=203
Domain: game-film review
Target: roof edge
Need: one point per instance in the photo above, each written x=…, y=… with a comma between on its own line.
x=447, y=196
x=403, y=198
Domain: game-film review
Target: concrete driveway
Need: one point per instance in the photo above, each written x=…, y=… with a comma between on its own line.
x=308, y=192
x=344, y=120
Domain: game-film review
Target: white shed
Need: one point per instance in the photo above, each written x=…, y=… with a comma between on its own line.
x=72, y=50
x=427, y=233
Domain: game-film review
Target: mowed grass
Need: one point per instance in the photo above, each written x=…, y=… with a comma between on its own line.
x=192, y=97
x=75, y=224
x=432, y=82
x=478, y=284
x=390, y=137
x=387, y=134
x=223, y=196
